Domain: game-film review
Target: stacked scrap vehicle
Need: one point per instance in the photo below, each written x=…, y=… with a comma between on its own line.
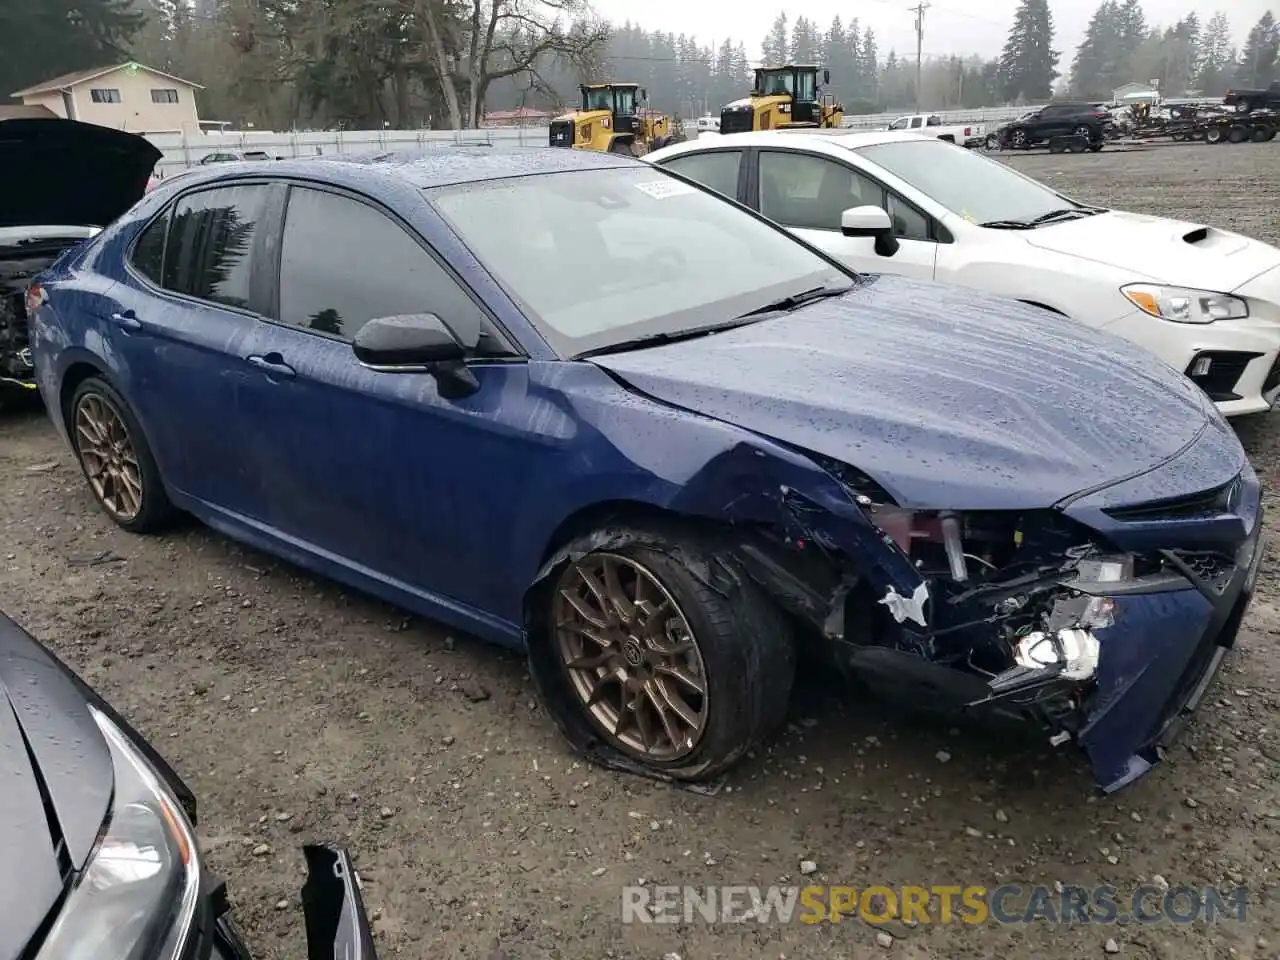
x=1206, y=123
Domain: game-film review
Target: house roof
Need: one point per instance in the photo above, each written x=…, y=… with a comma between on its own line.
x=20, y=111
x=513, y=114
x=69, y=80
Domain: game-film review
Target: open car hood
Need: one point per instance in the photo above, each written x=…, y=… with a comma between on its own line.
x=70, y=173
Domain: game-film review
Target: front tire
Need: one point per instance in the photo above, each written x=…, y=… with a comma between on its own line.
x=115, y=458
x=675, y=674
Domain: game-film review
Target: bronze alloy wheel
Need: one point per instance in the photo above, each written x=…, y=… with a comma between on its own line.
x=631, y=657
x=108, y=456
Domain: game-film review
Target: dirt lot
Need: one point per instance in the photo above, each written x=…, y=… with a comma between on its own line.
x=299, y=710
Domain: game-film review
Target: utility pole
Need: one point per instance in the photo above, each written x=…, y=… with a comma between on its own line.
x=919, y=8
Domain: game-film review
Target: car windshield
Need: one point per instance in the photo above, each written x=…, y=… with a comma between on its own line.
x=968, y=184
x=603, y=257
x=600, y=98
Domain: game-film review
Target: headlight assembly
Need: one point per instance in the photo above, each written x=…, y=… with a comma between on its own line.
x=136, y=897
x=1183, y=305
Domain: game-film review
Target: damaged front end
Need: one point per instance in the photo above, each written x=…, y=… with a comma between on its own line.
x=17, y=370
x=23, y=257
x=1105, y=637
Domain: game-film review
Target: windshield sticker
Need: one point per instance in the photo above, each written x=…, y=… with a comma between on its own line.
x=661, y=189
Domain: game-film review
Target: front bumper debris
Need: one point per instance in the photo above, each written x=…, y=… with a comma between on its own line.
x=1113, y=661
x=1157, y=661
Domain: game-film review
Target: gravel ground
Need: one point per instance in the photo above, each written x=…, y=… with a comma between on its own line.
x=298, y=710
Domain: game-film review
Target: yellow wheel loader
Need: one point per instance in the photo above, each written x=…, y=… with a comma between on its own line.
x=612, y=120
x=783, y=98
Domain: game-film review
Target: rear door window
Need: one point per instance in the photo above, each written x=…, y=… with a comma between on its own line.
x=148, y=251
x=211, y=237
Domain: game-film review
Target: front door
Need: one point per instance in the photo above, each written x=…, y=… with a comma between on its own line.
x=808, y=192
x=377, y=471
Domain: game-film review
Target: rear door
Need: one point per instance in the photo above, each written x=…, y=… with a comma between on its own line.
x=808, y=192
x=191, y=296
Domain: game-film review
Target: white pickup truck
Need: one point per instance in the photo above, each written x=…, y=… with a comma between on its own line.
x=931, y=125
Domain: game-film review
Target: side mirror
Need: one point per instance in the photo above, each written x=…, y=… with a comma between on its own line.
x=826, y=77
x=416, y=343
x=870, y=221
x=336, y=922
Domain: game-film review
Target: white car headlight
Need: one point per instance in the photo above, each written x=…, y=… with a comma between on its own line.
x=136, y=897
x=1184, y=305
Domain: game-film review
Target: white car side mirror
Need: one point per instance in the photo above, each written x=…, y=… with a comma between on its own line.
x=864, y=221
x=870, y=221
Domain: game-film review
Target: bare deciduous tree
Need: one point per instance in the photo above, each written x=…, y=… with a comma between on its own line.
x=472, y=43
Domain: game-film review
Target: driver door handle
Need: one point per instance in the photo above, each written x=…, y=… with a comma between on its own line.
x=128, y=320
x=273, y=365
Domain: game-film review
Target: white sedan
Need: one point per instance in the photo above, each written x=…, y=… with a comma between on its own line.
x=1206, y=301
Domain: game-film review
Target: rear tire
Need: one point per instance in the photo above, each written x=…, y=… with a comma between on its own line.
x=1214, y=135
x=643, y=593
x=115, y=458
x=1238, y=133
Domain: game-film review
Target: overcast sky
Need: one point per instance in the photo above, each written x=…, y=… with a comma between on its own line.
x=950, y=26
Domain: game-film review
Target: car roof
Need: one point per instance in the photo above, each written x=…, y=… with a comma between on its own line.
x=832, y=142
x=435, y=167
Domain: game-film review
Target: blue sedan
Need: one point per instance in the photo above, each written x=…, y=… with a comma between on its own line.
x=581, y=406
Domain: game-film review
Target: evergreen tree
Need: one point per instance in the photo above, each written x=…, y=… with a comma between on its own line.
x=1093, y=69
x=1027, y=65
x=869, y=68
x=1261, y=51
x=776, y=45
x=1216, y=57
x=45, y=38
x=803, y=42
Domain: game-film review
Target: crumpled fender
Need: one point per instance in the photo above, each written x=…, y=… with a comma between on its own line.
x=744, y=489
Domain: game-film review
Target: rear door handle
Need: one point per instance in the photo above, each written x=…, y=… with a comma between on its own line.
x=128, y=320
x=273, y=365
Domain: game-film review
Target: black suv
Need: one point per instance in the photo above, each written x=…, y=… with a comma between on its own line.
x=1083, y=121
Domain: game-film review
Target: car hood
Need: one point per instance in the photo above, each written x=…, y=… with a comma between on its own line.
x=70, y=173
x=1165, y=251
x=54, y=766
x=949, y=398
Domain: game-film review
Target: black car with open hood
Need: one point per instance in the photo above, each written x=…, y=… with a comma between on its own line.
x=63, y=180
x=101, y=857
